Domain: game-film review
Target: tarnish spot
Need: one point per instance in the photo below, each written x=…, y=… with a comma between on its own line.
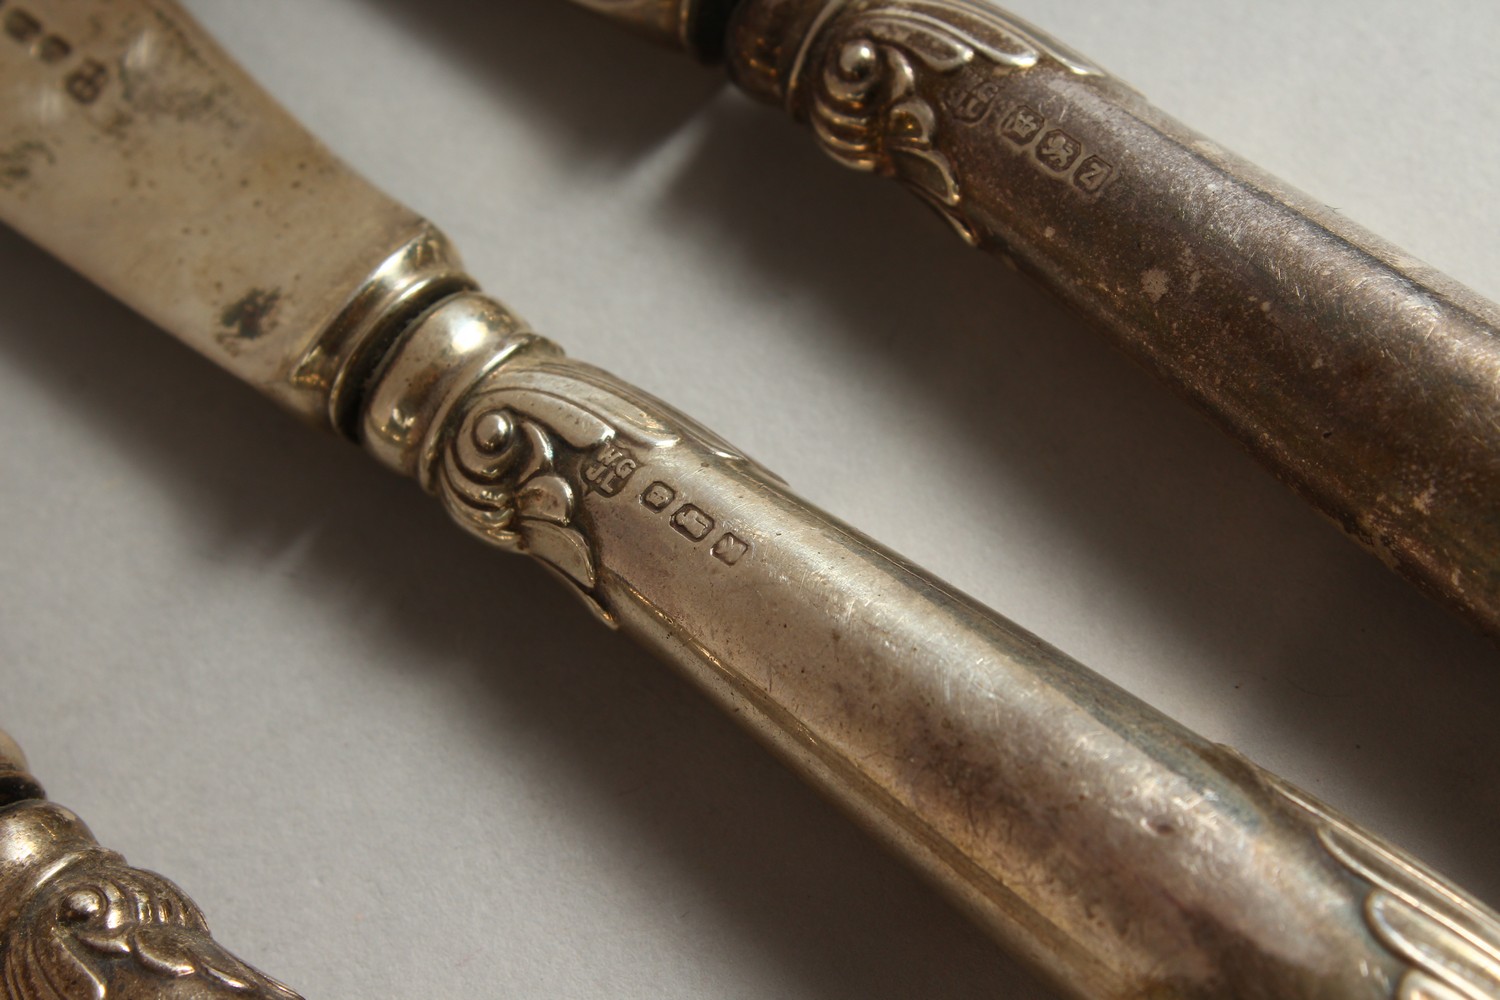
x=18, y=162
x=1155, y=284
x=250, y=318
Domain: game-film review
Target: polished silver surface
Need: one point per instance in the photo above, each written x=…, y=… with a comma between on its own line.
x=443, y=583
x=1119, y=854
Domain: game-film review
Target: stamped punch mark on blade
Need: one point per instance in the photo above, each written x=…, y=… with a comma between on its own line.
x=84, y=82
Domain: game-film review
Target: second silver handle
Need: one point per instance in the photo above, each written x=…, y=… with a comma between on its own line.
x=1363, y=379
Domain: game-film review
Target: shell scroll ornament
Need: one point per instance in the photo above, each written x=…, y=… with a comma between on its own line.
x=872, y=105
x=81, y=924
x=533, y=440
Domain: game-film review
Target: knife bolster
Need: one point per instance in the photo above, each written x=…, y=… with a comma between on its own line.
x=436, y=360
x=423, y=271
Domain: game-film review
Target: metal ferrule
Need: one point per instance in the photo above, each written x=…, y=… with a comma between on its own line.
x=439, y=358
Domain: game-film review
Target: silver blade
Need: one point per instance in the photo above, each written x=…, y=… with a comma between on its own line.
x=131, y=148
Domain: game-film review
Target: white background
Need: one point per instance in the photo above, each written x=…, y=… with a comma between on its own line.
x=389, y=763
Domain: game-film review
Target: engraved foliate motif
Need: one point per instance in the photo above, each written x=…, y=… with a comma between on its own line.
x=1449, y=940
x=869, y=107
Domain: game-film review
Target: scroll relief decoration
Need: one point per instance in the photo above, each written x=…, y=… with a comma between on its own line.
x=1449, y=940
x=534, y=440
x=101, y=930
x=870, y=109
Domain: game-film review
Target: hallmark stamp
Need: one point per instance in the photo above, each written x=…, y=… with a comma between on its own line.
x=658, y=495
x=18, y=163
x=22, y=26
x=1058, y=150
x=730, y=549
x=84, y=83
x=1022, y=125
x=692, y=522
x=609, y=469
x=53, y=49
x=1092, y=175
x=970, y=105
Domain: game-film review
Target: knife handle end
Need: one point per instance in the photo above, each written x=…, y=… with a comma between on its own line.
x=76, y=921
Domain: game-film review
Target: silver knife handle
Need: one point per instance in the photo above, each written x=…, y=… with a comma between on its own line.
x=1361, y=377
x=78, y=923
x=1118, y=852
